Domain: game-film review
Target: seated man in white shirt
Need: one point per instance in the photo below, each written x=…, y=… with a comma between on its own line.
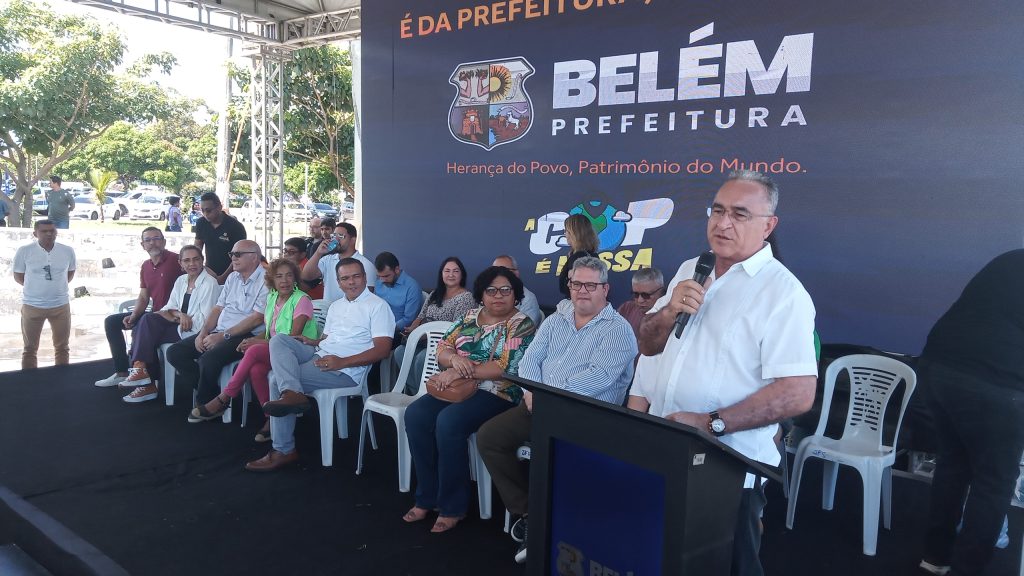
x=358, y=332
x=237, y=314
x=745, y=360
x=585, y=347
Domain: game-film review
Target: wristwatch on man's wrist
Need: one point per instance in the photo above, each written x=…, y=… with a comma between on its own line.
x=715, y=424
x=227, y=336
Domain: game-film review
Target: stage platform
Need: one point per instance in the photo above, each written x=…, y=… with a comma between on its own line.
x=136, y=489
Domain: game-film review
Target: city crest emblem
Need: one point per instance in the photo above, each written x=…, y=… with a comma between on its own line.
x=491, y=106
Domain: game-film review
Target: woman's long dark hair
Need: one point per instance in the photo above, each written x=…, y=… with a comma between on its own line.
x=437, y=296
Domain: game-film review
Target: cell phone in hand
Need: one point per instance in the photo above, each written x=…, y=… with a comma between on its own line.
x=332, y=245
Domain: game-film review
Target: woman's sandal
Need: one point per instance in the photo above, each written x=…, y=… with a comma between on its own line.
x=201, y=414
x=415, y=514
x=445, y=523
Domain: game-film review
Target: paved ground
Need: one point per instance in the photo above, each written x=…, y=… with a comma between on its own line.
x=107, y=288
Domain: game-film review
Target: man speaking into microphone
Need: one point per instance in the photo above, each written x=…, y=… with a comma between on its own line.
x=745, y=357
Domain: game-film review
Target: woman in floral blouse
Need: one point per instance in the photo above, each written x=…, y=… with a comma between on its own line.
x=485, y=344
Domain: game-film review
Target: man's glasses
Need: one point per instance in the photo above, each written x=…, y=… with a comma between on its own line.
x=737, y=215
x=494, y=291
x=585, y=286
x=49, y=275
x=151, y=239
x=239, y=254
x=646, y=295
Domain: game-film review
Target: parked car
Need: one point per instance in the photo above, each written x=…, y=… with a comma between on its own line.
x=348, y=210
x=40, y=206
x=150, y=208
x=87, y=208
x=322, y=210
x=296, y=212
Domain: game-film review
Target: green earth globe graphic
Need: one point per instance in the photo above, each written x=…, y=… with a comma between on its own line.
x=610, y=232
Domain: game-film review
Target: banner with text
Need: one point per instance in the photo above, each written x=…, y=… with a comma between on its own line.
x=892, y=129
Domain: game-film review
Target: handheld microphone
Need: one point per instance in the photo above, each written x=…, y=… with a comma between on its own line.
x=705, y=265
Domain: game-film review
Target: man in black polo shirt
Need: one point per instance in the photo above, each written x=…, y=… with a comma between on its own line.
x=973, y=372
x=217, y=232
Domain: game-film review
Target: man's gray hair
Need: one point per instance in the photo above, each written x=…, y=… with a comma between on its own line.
x=770, y=187
x=592, y=263
x=510, y=258
x=648, y=275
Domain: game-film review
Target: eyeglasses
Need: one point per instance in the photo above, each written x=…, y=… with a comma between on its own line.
x=152, y=239
x=646, y=295
x=49, y=275
x=585, y=286
x=737, y=215
x=239, y=254
x=355, y=276
x=494, y=291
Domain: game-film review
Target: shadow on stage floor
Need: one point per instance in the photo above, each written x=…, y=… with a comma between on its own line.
x=157, y=496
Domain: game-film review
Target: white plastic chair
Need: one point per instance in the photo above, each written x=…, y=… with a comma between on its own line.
x=394, y=403
x=169, y=373
x=478, y=471
x=320, y=308
x=872, y=381
x=336, y=400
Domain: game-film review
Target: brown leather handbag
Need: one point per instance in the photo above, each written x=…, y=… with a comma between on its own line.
x=460, y=389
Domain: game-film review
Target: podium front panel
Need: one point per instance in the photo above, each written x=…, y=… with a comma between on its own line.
x=615, y=492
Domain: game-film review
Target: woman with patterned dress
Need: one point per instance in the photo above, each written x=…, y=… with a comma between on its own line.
x=485, y=344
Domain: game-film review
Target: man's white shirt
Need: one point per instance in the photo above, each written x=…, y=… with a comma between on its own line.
x=327, y=266
x=756, y=325
x=351, y=327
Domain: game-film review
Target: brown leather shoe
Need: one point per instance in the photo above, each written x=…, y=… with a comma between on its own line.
x=272, y=461
x=291, y=402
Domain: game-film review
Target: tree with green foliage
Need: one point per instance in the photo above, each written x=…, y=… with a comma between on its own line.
x=322, y=182
x=100, y=179
x=59, y=90
x=319, y=113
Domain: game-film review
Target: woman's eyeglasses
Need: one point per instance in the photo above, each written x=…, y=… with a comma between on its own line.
x=494, y=291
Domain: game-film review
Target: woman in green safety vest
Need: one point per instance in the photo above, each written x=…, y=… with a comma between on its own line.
x=289, y=311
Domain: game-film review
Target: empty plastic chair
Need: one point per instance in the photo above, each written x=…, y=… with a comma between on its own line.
x=872, y=382
x=394, y=403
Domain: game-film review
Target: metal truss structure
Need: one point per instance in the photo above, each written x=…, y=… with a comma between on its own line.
x=267, y=97
x=320, y=28
x=269, y=43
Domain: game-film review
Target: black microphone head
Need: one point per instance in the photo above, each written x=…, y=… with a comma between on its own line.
x=705, y=264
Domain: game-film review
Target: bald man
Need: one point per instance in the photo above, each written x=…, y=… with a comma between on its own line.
x=237, y=314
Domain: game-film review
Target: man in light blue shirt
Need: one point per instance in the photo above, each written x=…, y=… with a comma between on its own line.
x=585, y=347
x=399, y=290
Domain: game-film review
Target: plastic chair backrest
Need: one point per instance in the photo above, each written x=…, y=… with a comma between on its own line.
x=432, y=331
x=873, y=379
x=320, y=315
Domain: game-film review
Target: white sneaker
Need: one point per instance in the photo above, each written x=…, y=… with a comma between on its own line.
x=112, y=380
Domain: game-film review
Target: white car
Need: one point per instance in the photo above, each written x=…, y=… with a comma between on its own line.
x=296, y=212
x=86, y=208
x=150, y=207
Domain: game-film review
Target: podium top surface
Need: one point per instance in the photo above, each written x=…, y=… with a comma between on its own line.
x=753, y=466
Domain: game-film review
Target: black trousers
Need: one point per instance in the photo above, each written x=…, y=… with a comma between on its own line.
x=201, y=370
x=114, y=327
x=980, y=432
x=746, y=545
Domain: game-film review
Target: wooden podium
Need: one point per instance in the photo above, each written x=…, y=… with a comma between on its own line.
x=618, y=493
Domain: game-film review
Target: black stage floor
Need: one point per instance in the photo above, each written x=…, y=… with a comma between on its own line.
x=160, y=496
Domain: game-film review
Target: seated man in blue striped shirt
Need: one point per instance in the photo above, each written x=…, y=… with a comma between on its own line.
x=585, y=347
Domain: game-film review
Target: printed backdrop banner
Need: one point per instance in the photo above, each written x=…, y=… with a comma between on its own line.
x=894, y=131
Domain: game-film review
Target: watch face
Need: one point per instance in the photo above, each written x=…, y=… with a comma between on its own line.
x=717, y=426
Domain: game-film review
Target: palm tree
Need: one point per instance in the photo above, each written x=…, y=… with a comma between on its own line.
x=100, y=179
